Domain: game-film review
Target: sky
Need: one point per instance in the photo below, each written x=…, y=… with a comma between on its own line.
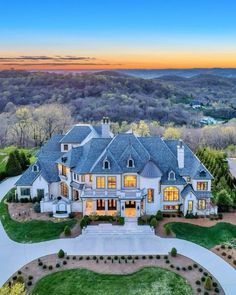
x=112, y=34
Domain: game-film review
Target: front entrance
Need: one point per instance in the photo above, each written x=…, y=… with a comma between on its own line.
x=89, y=207
x=130, y=209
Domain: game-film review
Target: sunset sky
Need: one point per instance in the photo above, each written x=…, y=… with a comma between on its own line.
x=100, y=34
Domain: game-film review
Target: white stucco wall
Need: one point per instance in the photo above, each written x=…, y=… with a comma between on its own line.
x=39, y=183
x=151, y=183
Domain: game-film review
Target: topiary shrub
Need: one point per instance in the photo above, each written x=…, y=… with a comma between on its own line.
x=58, y=265
x=173, y=252
x=30, y=278
x=159, y=215
x=153, y=222
x=67, y=231
x=198, y=282
x=29, y=283
x=61, y=253
x=64, y=262
x=20, y=280
x=36, y=207
x=208, y=283
x=50, y=267
x=167, y=229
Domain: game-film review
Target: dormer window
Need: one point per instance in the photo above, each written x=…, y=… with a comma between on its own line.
x=106, y=164
x=202, y=173
x=35, y=168
x=66, y=147
x=171, y=175
x=130, y=163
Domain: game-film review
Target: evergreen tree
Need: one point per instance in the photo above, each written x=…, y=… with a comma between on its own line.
x=224, y=200
x=24, y=161
x=13, y=166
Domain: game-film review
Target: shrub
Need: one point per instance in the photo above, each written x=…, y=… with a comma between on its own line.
x=167, y=261
x=19, y=272
x=177, y=268
x=67, y=231
x=40, y=263
x=94, y=258
x=61, y=253
x=101, y=258
x=172, y=266
x=222, y=246
x=29, y=283
x=220, y=215
x=153, y=222
x=199, y=290
x=158, y=256
x=208, y=283
x=195, y=265
x=120, y=220
x=36, y=207
x=190, y=267
x=81, y=258
x=173, y=252
x=167, y=229
x=44, y=266
x=184, y=268
x=64, y=262
x=165, y=257
x=229, y=256
x=58, y=265
x=203, y=279
x=198, y=282
x=150, y=257
x=87, y=258
x=68, y=257
x=74, y=257
x=217, y=290
x=50, y=267
x=20, y=280
x=200, y=269
x=159, y=215
x=30, y=278
x=214, y=284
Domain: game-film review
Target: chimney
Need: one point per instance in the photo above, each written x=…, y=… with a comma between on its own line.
x=180, y=154
x=105, y=127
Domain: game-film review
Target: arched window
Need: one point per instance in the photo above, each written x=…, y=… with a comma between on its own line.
x=171, y=175
x=106, y=164
x=35, y=168
x=130, y=163
x=171, y=193
x=64, y=189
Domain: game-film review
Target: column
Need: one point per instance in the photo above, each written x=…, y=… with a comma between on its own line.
x=84, y=207
x=94, y=205
x=106, y=207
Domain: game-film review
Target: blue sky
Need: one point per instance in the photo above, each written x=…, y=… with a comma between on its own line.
x=122, y=33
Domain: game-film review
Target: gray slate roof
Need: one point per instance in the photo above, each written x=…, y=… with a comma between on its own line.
x=77, y=134
x=199, y=194
x=150, y=170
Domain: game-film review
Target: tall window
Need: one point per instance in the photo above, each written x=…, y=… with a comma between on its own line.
x=112, y=204
x=190, y=205
x=66, y=147
x=111, y=182
x=63, y=170
x=130, y=181
x=150, y=195
x=100, y=204
x=106, y=164
x=100, y=182
x=201, y=204
x=75, y=195
x=171, y=193
x=90, y=177
x=130, y=163
x=82, y=178
x=64, y=189
x=202, y=185
x=25, y=191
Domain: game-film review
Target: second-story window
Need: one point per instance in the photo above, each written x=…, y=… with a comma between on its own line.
x=106, y=164
x=82, y=178
x=90, y=178
x=66, y=147
x=150, y=195
x=63, y=170
x=130, y=181
x=111, y=182
x=74, y=176
x=202, y=185
x=100, y=182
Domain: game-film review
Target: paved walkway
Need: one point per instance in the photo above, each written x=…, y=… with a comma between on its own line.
x=14, y=255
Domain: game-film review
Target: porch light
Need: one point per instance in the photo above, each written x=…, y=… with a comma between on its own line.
x=138, y=208
x=122, y=208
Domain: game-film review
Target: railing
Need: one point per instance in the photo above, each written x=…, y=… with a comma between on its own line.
x=126, y=194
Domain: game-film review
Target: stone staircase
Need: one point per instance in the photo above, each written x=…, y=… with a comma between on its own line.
x=129, y=228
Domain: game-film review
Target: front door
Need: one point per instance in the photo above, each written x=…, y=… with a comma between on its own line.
x=130, y=208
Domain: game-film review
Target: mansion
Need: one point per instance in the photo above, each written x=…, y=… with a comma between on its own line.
x=89, y=170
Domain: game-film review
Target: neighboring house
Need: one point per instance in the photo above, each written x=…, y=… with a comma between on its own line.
x=208, y=121
x=89, y=171
x=195, y=104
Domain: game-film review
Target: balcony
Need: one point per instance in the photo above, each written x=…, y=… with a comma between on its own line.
x=63, y=177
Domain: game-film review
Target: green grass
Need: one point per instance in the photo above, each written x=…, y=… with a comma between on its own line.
x=205, y=236
x=149, y=281
x=31, y=231
x=4, y=153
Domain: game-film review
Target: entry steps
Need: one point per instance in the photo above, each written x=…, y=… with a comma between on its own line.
x=129, y=228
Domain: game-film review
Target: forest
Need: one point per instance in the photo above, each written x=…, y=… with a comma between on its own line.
x=166, y=99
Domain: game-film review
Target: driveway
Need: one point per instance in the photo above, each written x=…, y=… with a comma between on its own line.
x=14, y=255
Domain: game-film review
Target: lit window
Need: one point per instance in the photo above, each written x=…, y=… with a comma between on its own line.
x=66, y=147
x=100, y=182
x=63, y=170
x=171, y=193
x=130, y=181
x=64, y=189
x=82, y=178
x=171, y=207
x=201, y=204
x=150, y=195
x=202, y=186
x=190, y=205
x=112, y=204
x=100, y=204
x=90, y=177
x=111, y=182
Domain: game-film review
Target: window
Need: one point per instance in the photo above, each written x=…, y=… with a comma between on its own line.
x=74, y=176
x=63, y=170
x=130, y=163
x=40, y=193
x=202, y=173
x=150, y=195
x=190, y=205
x=112, y=204
x=171, y=207
x=201, y=204
x=202, y=186
x=171, y=193
x=64, y=189
x=100, y=204
x=100, y=182
x=90, y=177
x=106, y=164
x=188, y=179
x=75, y=195
x=111, y=182
x=35, y=168
x=171, y=175
x=82, y=178
x=66, y=147
x=77, y=177
x=25, y=191
x=130, y=181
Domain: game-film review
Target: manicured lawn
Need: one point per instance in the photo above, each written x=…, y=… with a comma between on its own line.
x=205, y=236
x=4, y=153
x=31, y=231
x=150, y=281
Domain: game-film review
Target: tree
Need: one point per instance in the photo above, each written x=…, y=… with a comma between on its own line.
x=24, y=161
x=15, y=289
x=153, y=222
x=172, y=133
x=224, y=200
x=140, y=128
x=67, y=231
x=61, y=253
x=208, y=283
x=173, y=252
x=13, y=166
